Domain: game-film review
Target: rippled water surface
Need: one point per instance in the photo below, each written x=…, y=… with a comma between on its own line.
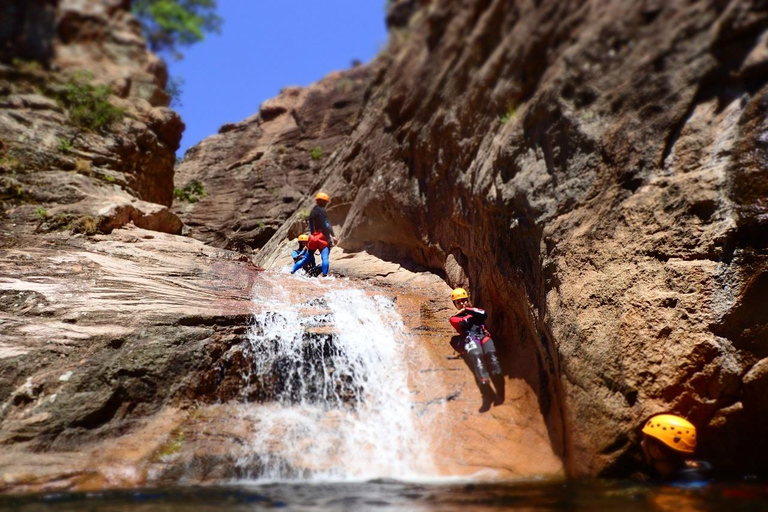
x=375, y=496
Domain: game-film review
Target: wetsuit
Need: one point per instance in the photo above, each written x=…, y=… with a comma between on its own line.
x=476, y=346
x=695, y=473
x=310, y=268
x=321, y=238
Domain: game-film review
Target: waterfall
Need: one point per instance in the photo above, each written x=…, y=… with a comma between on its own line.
x=331, y=382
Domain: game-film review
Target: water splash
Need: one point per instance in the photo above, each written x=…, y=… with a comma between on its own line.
x=332, y=378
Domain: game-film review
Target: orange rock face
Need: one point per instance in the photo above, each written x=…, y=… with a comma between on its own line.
x=256, y=172
x=104, y=176
x=592, y=171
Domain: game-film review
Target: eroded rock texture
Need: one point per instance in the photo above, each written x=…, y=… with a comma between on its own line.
x=94, y=330
x=596, y=173
x=104, y=337
x=256, y=172
x=59, y=173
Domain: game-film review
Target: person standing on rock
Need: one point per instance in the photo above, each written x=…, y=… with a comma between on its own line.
x=302, y=252
x=322, y=237
x=476, y=347
x=668, y=442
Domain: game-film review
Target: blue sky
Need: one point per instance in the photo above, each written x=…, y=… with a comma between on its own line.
x=266, y=45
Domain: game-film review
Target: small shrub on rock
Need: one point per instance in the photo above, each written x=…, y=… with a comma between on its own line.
x=65, y=145
x=10, y=188
x=86, y=225
x=89, y=105
x=9, y=163
x=192, y=192
x=83, y=166
x=316, y=153
x=510, y=114
x=27, y=66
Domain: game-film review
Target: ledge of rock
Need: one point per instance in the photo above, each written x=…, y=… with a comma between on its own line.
x=103, y=336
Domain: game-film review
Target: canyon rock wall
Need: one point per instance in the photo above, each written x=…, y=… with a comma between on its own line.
x=94, y=326
x=256, y=172
x=595, y=172
x=63, y=163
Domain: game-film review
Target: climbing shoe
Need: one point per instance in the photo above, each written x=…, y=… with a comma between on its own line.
x=498, y=383
x=489, y=397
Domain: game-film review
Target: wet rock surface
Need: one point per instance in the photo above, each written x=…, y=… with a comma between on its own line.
x=593, y=172
x=126, y=362
x=100, y=335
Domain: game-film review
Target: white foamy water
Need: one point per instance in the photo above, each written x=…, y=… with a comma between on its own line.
x=333, y=381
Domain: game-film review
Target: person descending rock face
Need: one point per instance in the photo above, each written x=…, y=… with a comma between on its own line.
x=302, y=252
x=476, y=347
x=668, y=441
x=322, y=237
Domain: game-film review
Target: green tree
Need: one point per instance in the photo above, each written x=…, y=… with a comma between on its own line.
x=169, y=24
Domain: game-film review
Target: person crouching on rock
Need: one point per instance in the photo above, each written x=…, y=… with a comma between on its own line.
x=476, y=347
x=668, y=442
x=302, y=252
x=322, y=237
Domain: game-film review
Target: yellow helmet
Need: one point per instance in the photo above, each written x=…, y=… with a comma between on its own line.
x=303, y=238
x=322, y=196
x=674, y=431
x=459, y=293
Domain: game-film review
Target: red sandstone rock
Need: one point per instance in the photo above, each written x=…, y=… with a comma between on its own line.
x=255, y=172
x=593, y=171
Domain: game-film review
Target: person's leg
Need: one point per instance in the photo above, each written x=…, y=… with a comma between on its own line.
x=473, y=356
x=326, y=263
x=309, y=268
x=494, y=367
x=303, y=261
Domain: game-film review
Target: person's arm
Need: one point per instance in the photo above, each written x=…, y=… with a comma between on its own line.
x=467, y=317
x=478, y=315
x=327, y=228
x=459, y=322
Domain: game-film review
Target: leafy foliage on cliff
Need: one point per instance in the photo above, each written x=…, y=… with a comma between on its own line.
x=169, y=24
x=88, y=104
x=192, y=192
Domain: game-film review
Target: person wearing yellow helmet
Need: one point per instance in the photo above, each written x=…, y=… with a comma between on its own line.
x=668, y=442
x=322, y=237
x=477, y=348
x=303, y=253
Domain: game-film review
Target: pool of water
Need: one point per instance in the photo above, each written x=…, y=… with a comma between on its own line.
x=592, y=495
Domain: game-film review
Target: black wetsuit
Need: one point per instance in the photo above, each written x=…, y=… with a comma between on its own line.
x=321, y=239
x=318, y=221
x=695, y=473
x=476, y=346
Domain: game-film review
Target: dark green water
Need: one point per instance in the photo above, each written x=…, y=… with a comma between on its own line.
x=593, y=495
